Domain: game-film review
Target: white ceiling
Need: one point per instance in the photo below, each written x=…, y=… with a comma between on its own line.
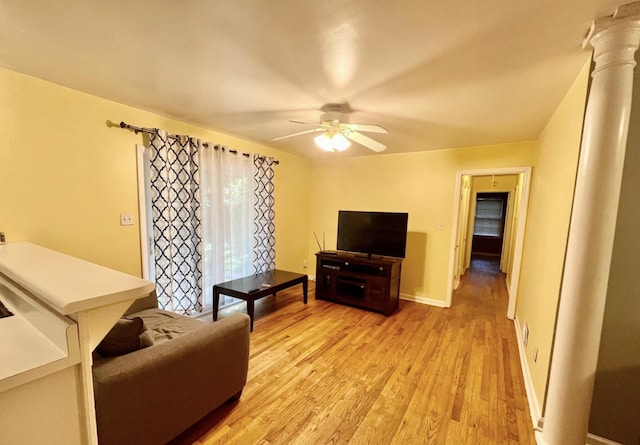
x=435, y=74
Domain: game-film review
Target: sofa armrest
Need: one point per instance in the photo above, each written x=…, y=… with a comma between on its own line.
x=151, y=395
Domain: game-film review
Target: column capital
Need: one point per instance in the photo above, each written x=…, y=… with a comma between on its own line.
x=615, y=38
x=626, y=16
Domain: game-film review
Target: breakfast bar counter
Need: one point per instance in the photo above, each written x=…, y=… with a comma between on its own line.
x=61, y=309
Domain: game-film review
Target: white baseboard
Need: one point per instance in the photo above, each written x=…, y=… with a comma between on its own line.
x=539, y=439
x=423, y=300
x=592, y=439
x=534, y=405
x=206, y=315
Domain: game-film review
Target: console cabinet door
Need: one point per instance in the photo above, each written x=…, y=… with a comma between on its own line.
x=325, y=284
x=377, y=293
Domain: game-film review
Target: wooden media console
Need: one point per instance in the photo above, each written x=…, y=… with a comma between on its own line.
x=357, y=280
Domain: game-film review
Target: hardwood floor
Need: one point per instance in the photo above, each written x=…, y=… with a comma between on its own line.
x=326, y=373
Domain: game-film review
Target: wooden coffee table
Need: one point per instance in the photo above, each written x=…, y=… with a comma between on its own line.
x=257, y=286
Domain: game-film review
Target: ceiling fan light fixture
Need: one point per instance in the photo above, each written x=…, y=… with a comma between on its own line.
x=323, y=141
x=329, y=142
x=340, y=142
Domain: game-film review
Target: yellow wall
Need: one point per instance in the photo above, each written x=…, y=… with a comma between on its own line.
x=547, y=229
x=422, y=184
x=65, y=176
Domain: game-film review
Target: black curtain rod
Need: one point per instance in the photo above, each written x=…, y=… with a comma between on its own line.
x=177, y=136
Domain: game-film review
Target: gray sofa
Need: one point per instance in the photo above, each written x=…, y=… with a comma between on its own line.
x=184, y=369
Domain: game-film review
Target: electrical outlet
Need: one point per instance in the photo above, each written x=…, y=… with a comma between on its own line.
x=304, y=263
x=126, y=219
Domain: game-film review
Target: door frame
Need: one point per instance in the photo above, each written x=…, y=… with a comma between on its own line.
x=146, y=231
x=519, y=235
x=464, y=206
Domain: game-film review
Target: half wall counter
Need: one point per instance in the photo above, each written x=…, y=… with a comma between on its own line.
x=61, y=308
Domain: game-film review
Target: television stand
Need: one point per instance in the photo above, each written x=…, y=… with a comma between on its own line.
x=368, y=256
x=371, y=283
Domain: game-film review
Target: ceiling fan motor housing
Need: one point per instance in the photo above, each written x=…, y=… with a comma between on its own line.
x=335, y=114
x=335, y=117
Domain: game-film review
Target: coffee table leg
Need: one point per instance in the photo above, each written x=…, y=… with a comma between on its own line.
x=305, y=285
x=250, y=311
x=216, y=302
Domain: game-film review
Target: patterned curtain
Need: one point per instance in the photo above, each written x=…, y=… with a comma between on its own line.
x=264, y=242
x=176, y=214
x=213, y=219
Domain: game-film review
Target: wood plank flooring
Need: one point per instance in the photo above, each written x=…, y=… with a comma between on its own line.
x=324, y=373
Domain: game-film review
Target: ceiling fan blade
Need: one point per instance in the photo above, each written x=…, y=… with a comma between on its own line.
x=366, y=141
x=297, y=134
x=303, y=123
x=368, y=128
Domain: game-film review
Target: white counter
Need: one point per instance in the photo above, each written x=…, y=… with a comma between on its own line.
x=28, y=347
x=63, y=306
x=35, y=341
x=66, y=283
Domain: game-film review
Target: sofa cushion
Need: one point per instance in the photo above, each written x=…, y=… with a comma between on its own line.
x=124, y=337
x=164, y=325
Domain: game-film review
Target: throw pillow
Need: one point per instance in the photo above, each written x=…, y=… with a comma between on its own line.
x=123, y=338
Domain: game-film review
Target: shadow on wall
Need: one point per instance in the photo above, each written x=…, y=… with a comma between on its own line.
x=415, y=263
x=620, y=422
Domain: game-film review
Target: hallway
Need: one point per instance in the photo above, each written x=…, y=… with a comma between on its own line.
x=494, y=374
x=483, y=287
x=486, y=264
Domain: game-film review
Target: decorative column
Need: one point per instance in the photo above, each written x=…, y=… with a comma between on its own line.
x=593, y=220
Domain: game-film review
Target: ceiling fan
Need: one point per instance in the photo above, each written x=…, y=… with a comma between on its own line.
x=336, y=130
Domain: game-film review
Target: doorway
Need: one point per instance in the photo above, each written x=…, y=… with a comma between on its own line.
x=511, y=187
x=489, y=226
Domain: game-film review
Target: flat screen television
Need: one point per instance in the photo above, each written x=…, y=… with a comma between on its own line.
x=373, y=233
